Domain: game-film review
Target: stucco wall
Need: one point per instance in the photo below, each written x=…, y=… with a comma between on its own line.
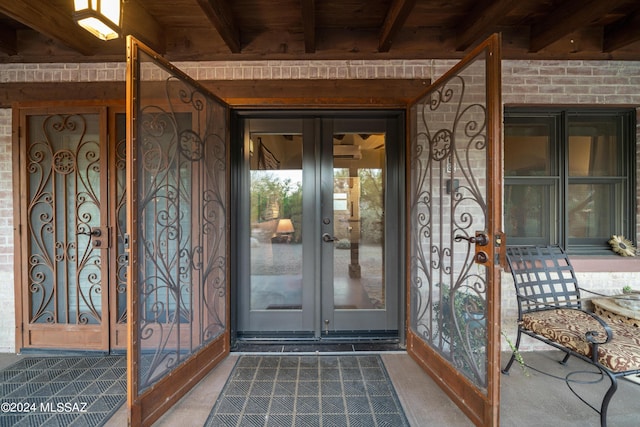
x=524, y=82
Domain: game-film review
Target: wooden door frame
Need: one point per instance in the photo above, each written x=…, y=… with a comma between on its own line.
x=241, y=94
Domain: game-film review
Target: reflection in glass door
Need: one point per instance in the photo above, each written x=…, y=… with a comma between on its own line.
x=275, y=268
x=358, y=209
x=355, y=229
x=276, y=222
x=314, y=248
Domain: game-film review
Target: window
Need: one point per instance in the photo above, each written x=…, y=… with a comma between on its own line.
x=569, y=176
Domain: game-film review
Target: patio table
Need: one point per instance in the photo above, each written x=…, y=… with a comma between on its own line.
x=608, y=308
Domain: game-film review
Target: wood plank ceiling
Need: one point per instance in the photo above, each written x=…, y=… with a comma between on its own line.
x=41, y=31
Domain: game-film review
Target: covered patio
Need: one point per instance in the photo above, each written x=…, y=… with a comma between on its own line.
x=356, y=55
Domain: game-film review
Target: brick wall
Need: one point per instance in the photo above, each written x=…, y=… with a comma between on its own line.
x=225, y=70
x=7, y=309
x=524, y=82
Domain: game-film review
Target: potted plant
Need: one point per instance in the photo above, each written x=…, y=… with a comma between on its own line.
x=470, y=316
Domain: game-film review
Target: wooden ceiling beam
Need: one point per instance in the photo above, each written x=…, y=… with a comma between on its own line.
x=481, y=22
x=140, y=24
x=55, y=22
x=220, y=14
x=8, y=41
x=394, y=21
x=622, y=33
x=309, y=25
x=568, y=17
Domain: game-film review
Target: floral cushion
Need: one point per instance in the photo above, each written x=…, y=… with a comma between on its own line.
x=568, y=328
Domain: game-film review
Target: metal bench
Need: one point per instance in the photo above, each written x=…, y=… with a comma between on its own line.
x=550, y=309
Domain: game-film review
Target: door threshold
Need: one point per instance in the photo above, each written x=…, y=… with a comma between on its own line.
x=242, y=346
x=62, y=352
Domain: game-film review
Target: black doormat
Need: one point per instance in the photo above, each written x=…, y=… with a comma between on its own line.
x=308, y=391
x=62, y=391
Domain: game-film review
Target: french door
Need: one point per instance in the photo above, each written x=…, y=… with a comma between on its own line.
x=455, y=239
x=71, y=226
x=359, y=214
x=318, y=246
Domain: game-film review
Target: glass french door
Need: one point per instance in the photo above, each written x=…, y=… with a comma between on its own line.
x=455, y=238
x=316, y=229
x=358, y=225
x=276, y=223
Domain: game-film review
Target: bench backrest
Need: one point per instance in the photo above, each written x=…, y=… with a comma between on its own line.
x=545, y=275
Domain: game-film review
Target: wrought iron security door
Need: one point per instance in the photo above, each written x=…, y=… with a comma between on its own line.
x=454, y=220
x=177, y=217
x=64, y=234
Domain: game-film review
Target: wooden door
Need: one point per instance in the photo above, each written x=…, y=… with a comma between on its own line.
x=455, y=196
x=177, y=220
x=60, y=166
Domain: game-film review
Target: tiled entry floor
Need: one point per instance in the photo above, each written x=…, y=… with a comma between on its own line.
x=423, y=402
x=309, y=390
x=526, y=401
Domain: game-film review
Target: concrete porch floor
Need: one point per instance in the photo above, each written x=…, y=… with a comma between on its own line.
x=526, y=400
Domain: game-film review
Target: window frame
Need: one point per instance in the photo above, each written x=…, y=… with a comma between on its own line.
x=623, y=185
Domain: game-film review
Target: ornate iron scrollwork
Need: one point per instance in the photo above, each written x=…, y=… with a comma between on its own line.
x=182, y=226
x=63, y=166
x=448, y=293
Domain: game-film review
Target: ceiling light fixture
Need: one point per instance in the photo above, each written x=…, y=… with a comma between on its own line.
x=100, y=17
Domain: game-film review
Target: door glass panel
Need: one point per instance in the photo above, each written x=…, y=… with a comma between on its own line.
x=179, y=223
x=358, y=218
x=65, y=279
x=121, y=219
x=449, y=205
x=276, y=222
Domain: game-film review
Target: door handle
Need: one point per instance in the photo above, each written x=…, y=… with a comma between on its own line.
x=99, y=239
x=480, y=239
x=94, y=232
x=327, y=238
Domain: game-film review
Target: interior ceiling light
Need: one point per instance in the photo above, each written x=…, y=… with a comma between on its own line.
x=100, y=17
